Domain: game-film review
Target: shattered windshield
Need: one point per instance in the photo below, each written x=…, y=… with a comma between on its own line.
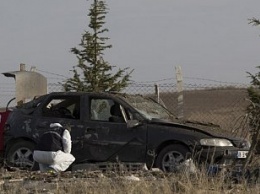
x=33, y=103
x=148, y=108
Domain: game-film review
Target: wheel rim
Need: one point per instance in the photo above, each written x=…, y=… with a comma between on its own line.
x=22, y=157
x=171, y=161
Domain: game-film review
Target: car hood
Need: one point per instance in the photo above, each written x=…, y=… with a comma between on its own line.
x=205, y=131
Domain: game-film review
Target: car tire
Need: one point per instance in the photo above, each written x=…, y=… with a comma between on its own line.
x=170, y=158
x=20, y=155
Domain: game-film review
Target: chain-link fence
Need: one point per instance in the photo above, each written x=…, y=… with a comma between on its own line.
x=217, y=105
x=220, y=106
x=7, y=92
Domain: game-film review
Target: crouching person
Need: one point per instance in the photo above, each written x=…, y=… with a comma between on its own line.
x=53, y=150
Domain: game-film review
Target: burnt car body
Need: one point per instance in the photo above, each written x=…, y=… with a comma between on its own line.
x=111, y=127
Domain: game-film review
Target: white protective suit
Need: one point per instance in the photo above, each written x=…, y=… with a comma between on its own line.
x=59, y=160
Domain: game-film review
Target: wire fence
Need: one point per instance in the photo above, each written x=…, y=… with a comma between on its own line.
x=222, y=105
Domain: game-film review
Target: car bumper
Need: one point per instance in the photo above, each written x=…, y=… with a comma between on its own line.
x=223, y=155
x=224, y=159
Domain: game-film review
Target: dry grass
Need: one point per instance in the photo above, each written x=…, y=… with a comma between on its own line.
x=80, y=182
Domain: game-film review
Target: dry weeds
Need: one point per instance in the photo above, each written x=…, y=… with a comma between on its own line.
x=79, y=182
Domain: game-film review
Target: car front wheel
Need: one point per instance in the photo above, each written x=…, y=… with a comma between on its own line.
x=171, y=157
x=21, y=155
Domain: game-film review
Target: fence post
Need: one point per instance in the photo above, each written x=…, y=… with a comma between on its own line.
x=179, y=91
x=22, y=67
x=157, y=92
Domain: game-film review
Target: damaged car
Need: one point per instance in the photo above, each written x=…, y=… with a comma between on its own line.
x=115, y=127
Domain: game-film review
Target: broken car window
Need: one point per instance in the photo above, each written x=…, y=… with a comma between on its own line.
x=63, y=107
x=148, y=108
x=106, y=110
x=100, y=109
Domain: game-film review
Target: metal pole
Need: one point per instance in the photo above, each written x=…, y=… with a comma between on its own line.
x=157, y=92
x=180, y=92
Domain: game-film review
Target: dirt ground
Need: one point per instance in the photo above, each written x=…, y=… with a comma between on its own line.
x=21, y=181
x=30, y=182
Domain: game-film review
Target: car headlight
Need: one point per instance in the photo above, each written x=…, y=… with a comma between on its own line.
x=217, y=142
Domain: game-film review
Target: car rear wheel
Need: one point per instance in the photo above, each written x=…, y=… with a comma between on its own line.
x=171, y=157
x=21, y=155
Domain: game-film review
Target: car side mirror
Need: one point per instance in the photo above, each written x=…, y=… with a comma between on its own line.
x=132, y=123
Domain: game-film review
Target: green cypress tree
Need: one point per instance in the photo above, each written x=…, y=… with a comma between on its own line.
x=254, y=91
x=253, y=109
x=93, y=73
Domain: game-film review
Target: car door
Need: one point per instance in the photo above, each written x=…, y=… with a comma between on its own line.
x=106, y=139
x=64, y=109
